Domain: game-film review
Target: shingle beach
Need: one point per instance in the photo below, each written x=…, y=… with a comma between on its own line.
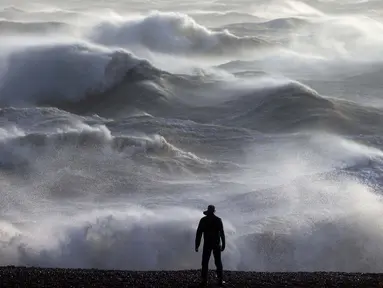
x=57, y=278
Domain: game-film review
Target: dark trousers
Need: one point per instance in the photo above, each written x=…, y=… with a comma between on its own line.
x=207, y=249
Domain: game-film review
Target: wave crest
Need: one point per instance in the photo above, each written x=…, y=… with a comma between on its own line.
x=49, y=73
x=170, y=33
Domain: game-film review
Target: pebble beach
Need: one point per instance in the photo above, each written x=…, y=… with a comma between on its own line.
x=57, y=278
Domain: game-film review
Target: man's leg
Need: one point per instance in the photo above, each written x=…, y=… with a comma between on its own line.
x=205, y=262
x=218, y=263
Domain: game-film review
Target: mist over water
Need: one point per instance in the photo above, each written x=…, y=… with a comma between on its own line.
x=121, y=123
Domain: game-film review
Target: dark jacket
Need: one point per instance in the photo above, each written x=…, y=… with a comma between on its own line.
x=212, y=229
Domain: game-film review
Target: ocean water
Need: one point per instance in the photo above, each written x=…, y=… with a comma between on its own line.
x=122, y=120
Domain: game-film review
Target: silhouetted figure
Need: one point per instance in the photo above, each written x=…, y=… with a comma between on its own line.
x=212, y=229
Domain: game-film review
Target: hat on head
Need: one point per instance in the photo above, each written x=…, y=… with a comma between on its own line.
x=210, y=210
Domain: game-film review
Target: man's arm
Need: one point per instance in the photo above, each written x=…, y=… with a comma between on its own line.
x=198, y=235
x=222, y=235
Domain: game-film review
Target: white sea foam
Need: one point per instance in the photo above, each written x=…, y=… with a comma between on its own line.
x=125, y=189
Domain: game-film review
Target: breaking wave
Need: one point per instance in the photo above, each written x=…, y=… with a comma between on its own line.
x=171, y=33
x=117, y=129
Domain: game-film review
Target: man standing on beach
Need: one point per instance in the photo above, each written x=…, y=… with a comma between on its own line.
x=212, y=228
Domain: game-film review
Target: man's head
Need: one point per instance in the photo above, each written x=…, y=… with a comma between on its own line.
x=210, y=210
